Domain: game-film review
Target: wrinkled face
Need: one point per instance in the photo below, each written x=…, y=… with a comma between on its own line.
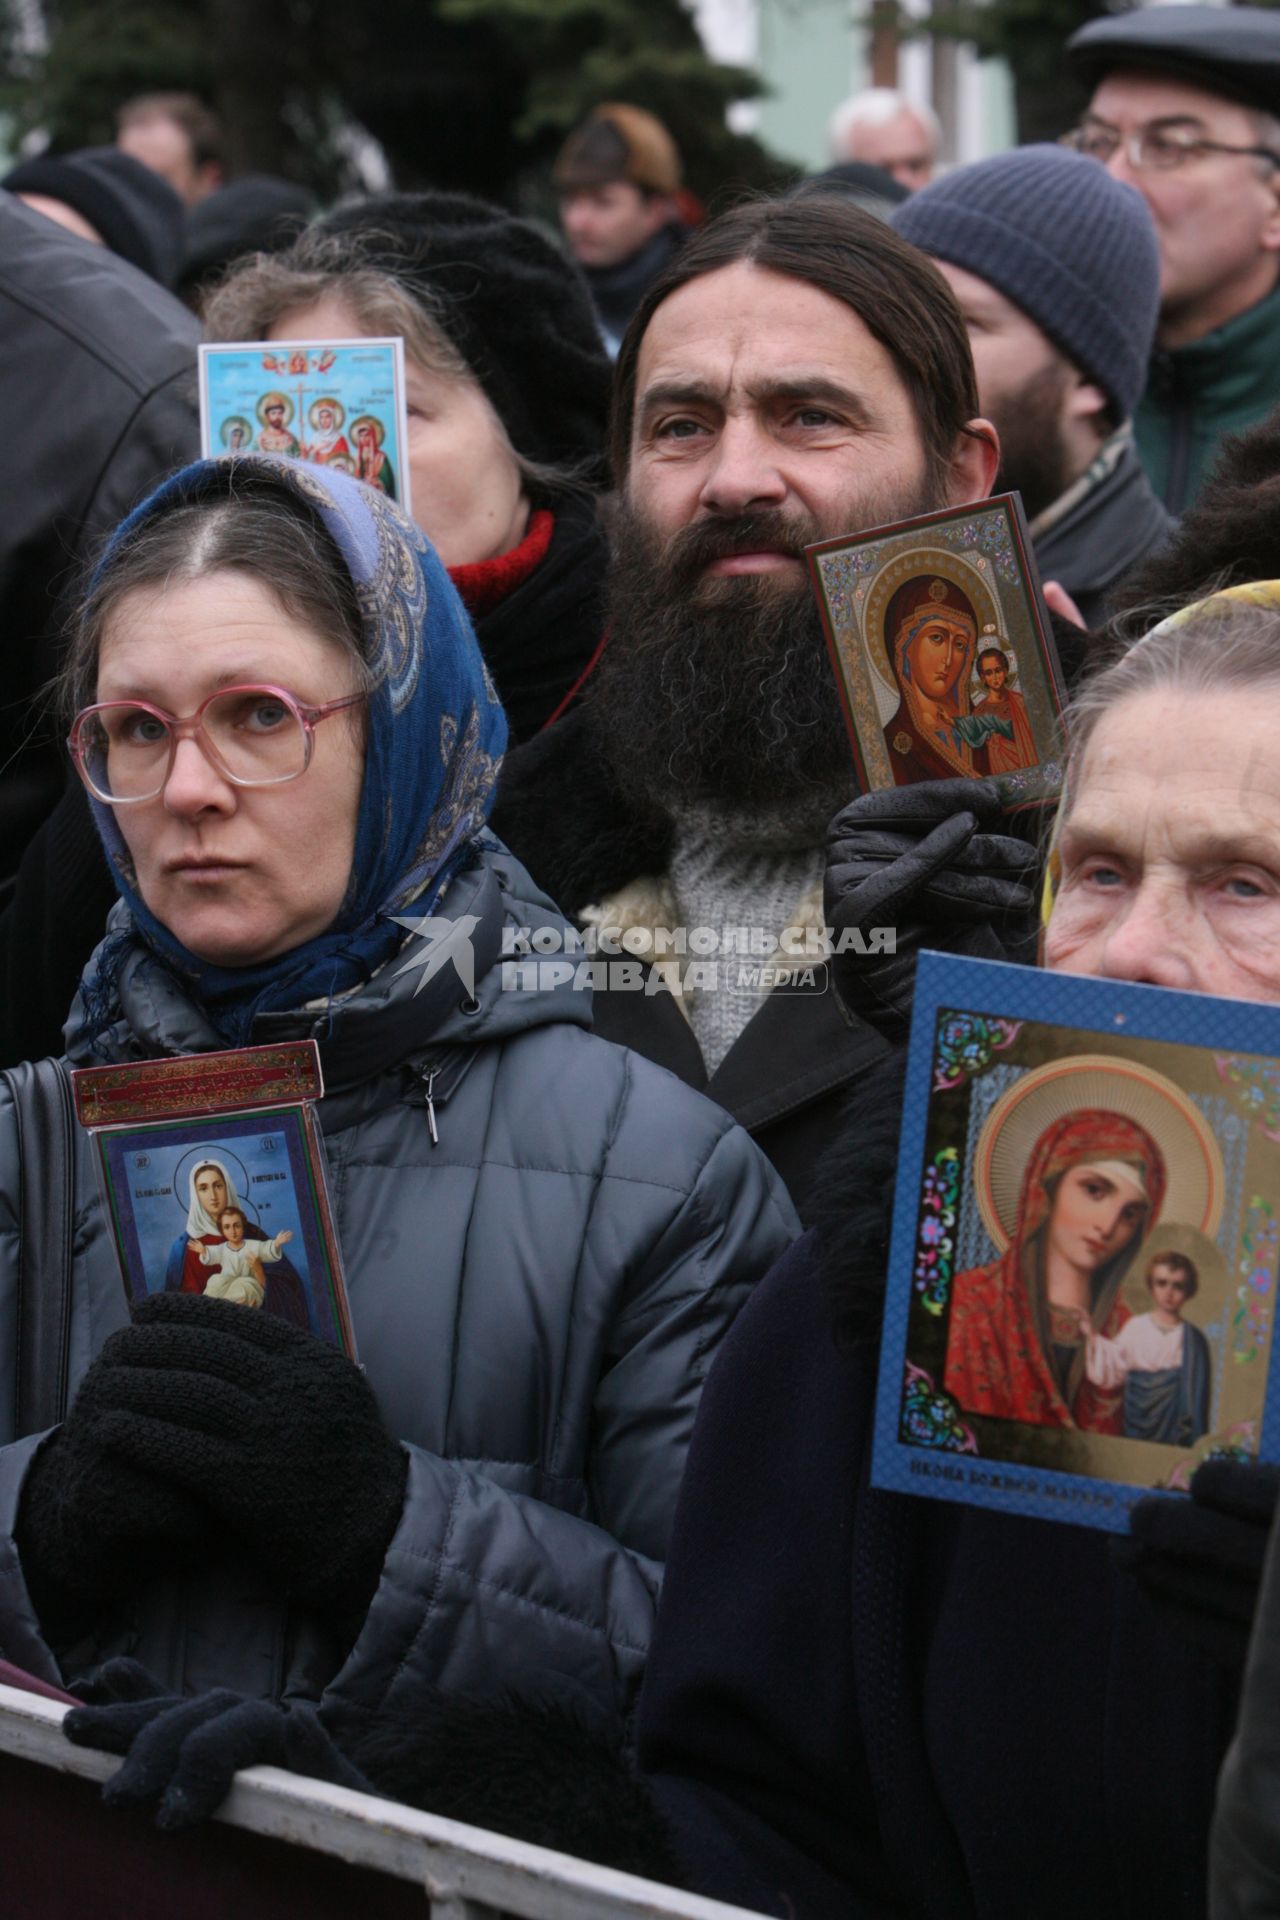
x=938, y=656
x=211, y=1191
x=1216, y=216
x=1169, y=1289
x=1096, y=1213
x=467, y=491
x=606, y=225
x=1170, y=854
x=901, y=146
x=237, y=874
x=232, y=1229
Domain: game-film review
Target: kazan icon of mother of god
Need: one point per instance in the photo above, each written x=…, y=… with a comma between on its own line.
x=930, y=632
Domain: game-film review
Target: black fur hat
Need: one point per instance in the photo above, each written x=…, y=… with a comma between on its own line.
x=136, y=213
x=511, y=302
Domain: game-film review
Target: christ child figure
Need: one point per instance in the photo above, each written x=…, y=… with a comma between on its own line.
x=1161, y=1360
x=239, y=1261
x=1013, y=745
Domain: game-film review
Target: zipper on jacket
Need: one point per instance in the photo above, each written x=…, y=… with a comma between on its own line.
x=433, y=1078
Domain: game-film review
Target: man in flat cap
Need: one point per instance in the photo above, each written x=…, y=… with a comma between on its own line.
x=1182, y=108
x=618, y=176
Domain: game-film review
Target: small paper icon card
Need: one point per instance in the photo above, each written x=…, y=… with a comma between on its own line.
x=213, y=1173
x=337, y=403
x=1081, y=1295
x=942, y=651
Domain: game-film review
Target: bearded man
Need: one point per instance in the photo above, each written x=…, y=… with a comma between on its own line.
x=797, y=373
x=1056, y=270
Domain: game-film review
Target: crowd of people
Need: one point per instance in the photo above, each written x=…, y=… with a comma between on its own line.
x=586, y=1548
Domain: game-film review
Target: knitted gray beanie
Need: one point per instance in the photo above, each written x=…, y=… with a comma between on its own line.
x=1059, y=238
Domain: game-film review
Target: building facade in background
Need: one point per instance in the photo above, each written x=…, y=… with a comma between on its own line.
x=813, y=53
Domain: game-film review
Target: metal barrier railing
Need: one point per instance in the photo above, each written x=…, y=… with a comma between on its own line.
x=465, y=1873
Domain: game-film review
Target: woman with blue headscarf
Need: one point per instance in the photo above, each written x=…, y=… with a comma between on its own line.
x=290, y=744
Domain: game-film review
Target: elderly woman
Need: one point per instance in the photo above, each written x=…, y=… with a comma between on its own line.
x=546, y=1236
x=507, y=389
x=922, y=1709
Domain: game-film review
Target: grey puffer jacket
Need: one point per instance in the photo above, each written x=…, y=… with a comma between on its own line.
x=536, y=1296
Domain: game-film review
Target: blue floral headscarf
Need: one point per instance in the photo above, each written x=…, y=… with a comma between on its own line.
x=435, y=735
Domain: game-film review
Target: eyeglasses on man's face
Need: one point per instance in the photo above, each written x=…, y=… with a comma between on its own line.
x=255, y=736
x=1160, y=147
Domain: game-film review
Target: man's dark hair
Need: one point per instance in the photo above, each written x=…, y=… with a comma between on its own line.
x=993, y=653
x=829, y=243
x=200, y=124
x=1177, y=1263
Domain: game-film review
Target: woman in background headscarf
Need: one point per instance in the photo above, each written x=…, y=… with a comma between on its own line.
x=507, y=388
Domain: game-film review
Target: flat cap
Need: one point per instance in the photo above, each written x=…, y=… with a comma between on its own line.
x=619, y=142
x=1234, y=51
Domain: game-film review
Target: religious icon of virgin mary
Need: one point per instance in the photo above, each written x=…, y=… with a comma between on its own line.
x=930, y=632
x=211, y=1190
x=1070, y=1193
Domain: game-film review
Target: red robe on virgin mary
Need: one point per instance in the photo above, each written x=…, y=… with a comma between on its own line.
x=1000, y=1335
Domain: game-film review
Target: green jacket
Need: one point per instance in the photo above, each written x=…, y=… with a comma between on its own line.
x=1225, y=383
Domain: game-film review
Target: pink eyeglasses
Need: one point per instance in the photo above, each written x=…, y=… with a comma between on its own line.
x=256, y=736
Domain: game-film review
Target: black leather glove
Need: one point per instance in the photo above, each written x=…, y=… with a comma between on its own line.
x=1200, y=1560
x=922, y=860
x=275, y=1432
x=184, y=1753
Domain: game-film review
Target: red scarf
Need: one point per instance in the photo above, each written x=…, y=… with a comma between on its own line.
x=483, y=583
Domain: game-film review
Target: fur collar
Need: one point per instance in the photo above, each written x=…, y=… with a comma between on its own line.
x=562, y=813
x=648, y=904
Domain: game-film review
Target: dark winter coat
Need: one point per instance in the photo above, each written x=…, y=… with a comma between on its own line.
x=863, y=1703
x=540, y=637
x=784, y=1079
x=97, y=404
x=1106, y=533
x=536, y=1298
x=617, y=291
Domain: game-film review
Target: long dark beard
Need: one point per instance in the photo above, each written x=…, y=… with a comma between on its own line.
x=720, y=687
